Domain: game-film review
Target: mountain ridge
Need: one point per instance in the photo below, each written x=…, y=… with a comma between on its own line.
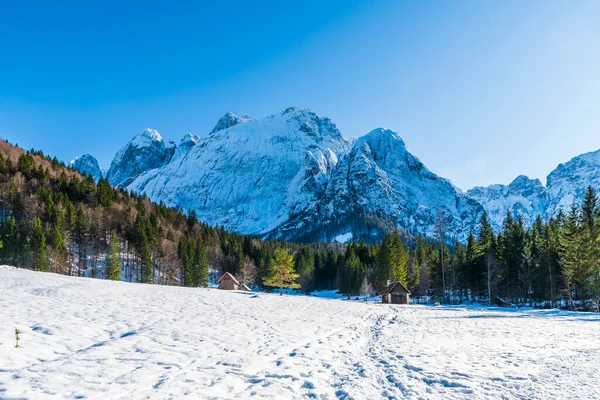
x=293, y=175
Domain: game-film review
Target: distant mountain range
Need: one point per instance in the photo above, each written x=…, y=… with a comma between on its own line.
x=293, y=176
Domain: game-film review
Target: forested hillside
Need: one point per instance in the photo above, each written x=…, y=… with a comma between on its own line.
x=54, y=219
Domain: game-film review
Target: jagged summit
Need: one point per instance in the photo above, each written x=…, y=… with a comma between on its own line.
x=186, y=143
x=228, y=120
x=145, y=151
x=145, y=137
x=87, y=164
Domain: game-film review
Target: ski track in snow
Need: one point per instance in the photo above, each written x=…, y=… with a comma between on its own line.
x=86, y=338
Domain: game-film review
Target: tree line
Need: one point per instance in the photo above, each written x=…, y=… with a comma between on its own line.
x=54, y=219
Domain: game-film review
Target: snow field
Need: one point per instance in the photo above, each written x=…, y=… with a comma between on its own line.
x=86, y=338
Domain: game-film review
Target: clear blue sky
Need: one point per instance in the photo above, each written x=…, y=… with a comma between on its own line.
x=481, y=91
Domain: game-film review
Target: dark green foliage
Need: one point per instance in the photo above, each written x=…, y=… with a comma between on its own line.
x=200, y=265
x=52, y=218
x=39, y=251
x=113, y=266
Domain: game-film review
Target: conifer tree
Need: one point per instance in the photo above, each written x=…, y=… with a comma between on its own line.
x=384, y=262
x=399, y=267
x=146, y=273
x=572, y=254
x=200, y=265
x=281, y=272
x=38, y=247
x=113, y=266
x=590, y=237
x=81, y=232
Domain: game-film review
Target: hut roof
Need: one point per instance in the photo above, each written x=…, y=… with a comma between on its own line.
x=393, y=285
x=245, y=287
x=227, y=275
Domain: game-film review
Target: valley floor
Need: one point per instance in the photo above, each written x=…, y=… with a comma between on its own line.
x=86, y=338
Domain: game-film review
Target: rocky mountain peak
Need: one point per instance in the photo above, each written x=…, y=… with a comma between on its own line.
x=228, y=120
x=87, y=164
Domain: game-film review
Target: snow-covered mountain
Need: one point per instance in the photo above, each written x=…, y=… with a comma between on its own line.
x=250, y=176
x=523, y=196
x=529, y=198
x=87, y=164
x=378, y=186
x=293, y=175
x=145, y=151
x=568, y=182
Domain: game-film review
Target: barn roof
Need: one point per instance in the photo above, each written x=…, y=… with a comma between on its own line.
x=227, y=275
x=392, y=285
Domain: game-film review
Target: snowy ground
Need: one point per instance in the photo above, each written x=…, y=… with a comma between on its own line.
x=85, y=338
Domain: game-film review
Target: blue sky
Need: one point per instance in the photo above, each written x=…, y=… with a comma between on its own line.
x=481, y=91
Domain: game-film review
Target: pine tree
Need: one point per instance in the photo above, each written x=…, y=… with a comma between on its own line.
x=590, y=237
x=113, y=266
x=399, y=267
x=81, y=233
x=384, y=263
x=38, y=247
x=200, y=265
x=185, y=251
x=352, y=273
x=146, y=273
x=572, y=254
x=281, y=272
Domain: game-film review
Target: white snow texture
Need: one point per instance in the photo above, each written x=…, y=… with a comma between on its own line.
x=89, y=338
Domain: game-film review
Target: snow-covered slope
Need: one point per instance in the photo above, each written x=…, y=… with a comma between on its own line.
x=145, y=151
x=89, y=338
x=87, y=164
x=523, y=196
x=569, y=181
x=249, y=177
x=529, y=198
x=380, y=185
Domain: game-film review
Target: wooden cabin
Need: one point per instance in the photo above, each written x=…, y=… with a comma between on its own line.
x=395, y=293
x=228, y=282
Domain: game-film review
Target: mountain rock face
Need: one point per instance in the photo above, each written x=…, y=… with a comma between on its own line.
x=293, y=176
x=379, y=185
x=145, y=151
x=185, y=145
x=566, y=185
x=87, y=164
x=523, y=196
x=229, y=120
x=568, y=182
x=249, y=177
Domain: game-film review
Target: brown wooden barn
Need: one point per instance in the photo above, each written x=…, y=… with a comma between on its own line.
x=395, y=293
x=228, y=282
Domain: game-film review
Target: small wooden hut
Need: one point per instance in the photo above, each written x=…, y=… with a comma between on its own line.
x=228, y=282
x=395, y=293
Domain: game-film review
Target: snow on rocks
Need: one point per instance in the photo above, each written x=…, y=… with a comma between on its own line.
x=87, y=164
x=92, y=338
x=145, y=151
x=251, y=176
